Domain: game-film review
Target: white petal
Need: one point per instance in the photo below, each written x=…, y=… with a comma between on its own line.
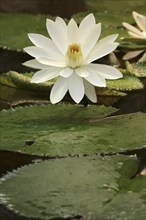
x=135, y=35
x=62, y=23
x=35, y=64
x=94, y=78
x=46, y=43
x=57, y=35
x=45, y=75
x=36, y=51
x=90, y=91
x=132, y=29
x=143, y=58
x=108, y=39
x=85, y=26
x=140, y=20
x=59, y=90
x=132, y=54
x=73, y=32
x=51, y=62
x=101, y=50
x=66, y=72
x=82, y=72
x=91, y=39
x=76, y=87
x=105, y=71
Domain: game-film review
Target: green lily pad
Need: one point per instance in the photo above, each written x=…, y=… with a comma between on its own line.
x=16, y=80
x=88, y=187
x=17, y=87
x=132, y=43
x=137, y=69
x=111, y=19
x=15, y=27
x=70, y=129
x=127, y=83
x=19, y=25
x=116, y=7
x=111, y=22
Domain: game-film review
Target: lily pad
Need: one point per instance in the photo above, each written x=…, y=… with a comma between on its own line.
x=127, y=83
x=115, y=88
x=16, y=80
x=132, y=43
x=87, y=187
x=70, y=129
x=116, y=6
x=17, y=89
x=18, y=26
x=111, y=19
x=137, y=69
x=111, y=22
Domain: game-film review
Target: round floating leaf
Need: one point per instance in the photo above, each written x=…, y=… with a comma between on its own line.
x=17, y=89
x=17, y=80
x=109, y=15
x=111, y=22
x=70, y=129
x=18, y=26
x=126, y=7
x=89, y=187
x=132, y=43
x=137, y=69
x=127, y=83
x=112, y=93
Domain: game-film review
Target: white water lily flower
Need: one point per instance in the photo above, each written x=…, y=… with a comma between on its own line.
x=134, y=54
x=68, y=53
x=139, y=32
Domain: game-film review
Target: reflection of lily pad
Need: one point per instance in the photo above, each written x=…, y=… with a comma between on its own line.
x=89, y=187
x=70, y=129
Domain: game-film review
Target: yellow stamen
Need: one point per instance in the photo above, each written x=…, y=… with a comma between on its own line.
x=74, y=56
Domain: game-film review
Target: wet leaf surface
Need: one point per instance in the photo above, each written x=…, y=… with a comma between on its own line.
x=16, y=89
x=137, y=69
x=15, y=36
x=92, y=187
x=70, y=129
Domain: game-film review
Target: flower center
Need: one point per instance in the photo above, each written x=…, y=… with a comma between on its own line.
x=74, y=56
